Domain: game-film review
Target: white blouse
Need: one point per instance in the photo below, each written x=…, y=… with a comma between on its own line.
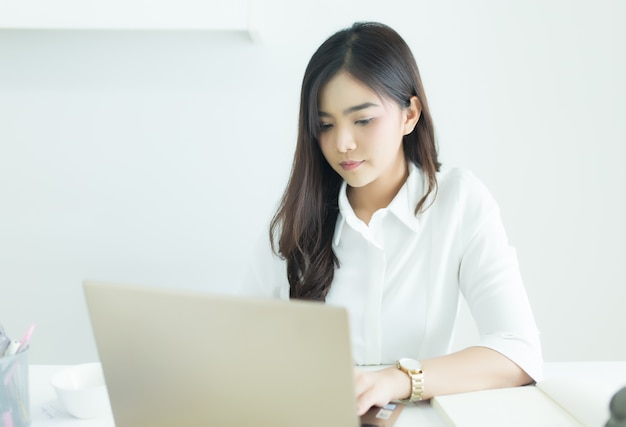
x=401, y=276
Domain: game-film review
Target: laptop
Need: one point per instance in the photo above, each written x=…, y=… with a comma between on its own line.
x=173, y=357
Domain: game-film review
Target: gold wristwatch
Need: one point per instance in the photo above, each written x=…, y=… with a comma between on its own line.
x=413, y=368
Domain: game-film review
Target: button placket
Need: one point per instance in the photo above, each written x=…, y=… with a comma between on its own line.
x=378, y=267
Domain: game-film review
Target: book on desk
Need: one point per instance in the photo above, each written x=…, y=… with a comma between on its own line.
x=555, y=402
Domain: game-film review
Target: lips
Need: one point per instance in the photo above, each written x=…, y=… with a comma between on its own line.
x=349, y=165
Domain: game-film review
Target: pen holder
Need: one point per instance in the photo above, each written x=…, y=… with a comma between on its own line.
x=14, y=394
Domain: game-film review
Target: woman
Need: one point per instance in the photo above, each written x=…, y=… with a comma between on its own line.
x=369, y=222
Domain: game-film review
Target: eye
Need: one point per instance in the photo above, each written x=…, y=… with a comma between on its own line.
x=363, y=122
x=325, y=126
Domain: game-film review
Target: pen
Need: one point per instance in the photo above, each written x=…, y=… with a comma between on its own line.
x=26, y=339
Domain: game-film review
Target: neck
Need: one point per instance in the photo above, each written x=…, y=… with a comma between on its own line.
x=377, y=194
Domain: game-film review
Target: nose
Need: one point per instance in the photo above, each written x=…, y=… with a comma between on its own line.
x=344, y=141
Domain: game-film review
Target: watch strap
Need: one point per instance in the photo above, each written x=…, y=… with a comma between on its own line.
x=417, y=382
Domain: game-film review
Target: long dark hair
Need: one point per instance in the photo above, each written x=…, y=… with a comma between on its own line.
x=302, y=229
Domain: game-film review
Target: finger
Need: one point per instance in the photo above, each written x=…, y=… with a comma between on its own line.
x=374, y=390
x=368, y=399
x=362, y=382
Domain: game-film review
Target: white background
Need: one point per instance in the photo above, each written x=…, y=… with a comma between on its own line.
x=156, y=157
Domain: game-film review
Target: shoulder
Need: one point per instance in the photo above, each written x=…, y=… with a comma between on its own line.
x=459, y=179
x=459, y=189
x=462, y=184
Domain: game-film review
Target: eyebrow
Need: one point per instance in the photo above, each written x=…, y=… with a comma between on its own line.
x=351, y=109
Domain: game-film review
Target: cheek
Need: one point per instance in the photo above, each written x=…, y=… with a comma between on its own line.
x=381, y=136
x=385, y=141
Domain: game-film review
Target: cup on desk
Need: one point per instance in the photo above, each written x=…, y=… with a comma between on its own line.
x=14, y=393
x=82, y=390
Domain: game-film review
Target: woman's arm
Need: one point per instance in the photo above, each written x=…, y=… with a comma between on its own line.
x=475, y=368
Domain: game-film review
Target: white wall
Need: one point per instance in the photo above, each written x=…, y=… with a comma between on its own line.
x=155, y=157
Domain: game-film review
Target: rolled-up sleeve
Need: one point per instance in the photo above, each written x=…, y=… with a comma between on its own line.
x=491, y=282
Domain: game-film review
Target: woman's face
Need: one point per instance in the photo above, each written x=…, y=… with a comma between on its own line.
x=361, y=134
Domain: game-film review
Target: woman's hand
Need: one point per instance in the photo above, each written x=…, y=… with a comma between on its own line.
x=377, y=388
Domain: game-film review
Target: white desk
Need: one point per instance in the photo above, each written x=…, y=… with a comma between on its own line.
x=47, y=411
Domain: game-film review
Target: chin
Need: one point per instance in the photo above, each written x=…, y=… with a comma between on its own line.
x=355, y=179
x=357, y=183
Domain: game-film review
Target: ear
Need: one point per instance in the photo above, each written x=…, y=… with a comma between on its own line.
x=412, y=114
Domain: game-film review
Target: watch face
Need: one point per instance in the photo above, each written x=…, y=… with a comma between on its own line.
x=411, y=364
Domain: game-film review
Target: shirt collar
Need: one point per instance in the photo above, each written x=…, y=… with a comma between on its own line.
x=402, y=206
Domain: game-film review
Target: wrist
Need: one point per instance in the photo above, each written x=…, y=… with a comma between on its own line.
x=401, y=384
x=412, y=370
